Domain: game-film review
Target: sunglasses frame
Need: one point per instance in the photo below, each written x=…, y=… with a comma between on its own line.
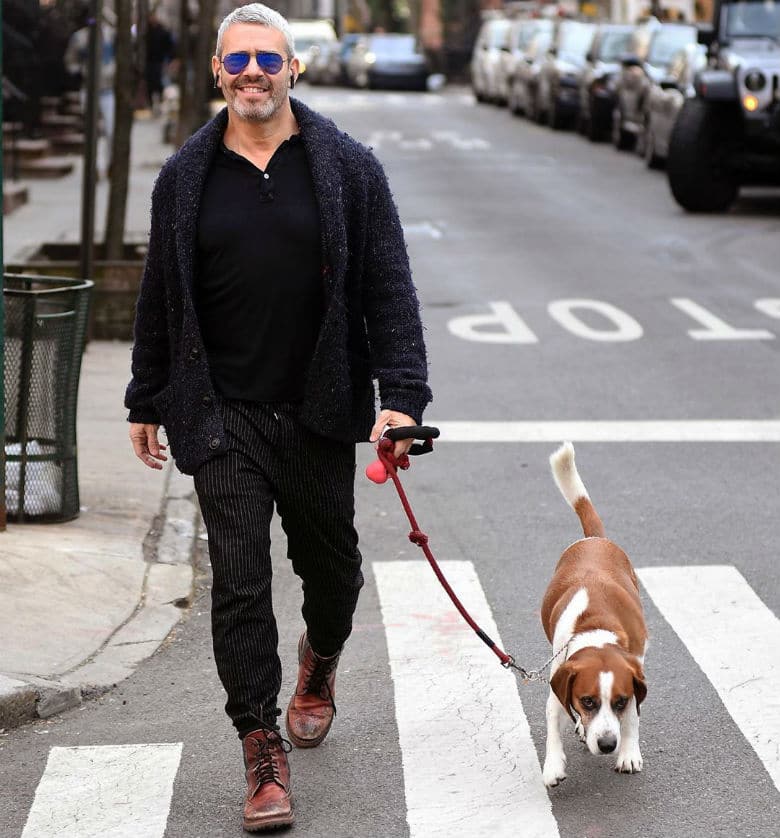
x=257, y=57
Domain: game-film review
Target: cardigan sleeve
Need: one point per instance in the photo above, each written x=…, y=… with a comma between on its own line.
x=151, y=356
x=391, y=307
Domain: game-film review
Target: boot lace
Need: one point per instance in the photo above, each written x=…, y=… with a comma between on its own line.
x=266, y=768
x=317, y=678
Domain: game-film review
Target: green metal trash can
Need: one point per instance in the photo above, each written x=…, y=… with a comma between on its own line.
x=45, y=330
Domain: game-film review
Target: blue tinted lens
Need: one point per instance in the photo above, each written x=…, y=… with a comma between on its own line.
x=235, y=62
x=269, y=62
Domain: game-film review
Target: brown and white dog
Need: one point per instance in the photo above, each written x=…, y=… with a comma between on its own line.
x=592, y=615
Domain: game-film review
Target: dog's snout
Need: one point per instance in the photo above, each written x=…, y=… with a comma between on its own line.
x=607, y=743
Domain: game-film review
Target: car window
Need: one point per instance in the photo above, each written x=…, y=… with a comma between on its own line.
x=574, y=39
x=497, y=33
x=667, y=42
x=539, y=45
x=386, y=45
x=614, y=44
x=753, y=18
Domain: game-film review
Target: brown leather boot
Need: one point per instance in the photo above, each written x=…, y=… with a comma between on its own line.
x=268, y=794
x=312, y=708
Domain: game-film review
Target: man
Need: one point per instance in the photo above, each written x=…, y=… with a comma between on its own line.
x=276, y=289
x=159, y=52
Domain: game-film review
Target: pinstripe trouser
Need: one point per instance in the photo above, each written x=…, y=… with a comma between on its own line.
x=272, y=458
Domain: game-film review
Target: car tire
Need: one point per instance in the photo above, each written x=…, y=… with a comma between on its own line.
x=698, y=177
x=514, y=99
x=622, y=140
x=555, y=119
x=652, y=160
x=596, y=132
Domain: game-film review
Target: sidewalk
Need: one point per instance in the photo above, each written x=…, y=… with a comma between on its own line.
x=83, y=603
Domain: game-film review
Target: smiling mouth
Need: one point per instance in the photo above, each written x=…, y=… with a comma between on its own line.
x=253, y=90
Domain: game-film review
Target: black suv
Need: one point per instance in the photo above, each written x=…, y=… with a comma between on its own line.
x=728, y=134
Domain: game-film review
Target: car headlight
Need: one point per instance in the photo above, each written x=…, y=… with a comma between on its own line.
x=755, y=80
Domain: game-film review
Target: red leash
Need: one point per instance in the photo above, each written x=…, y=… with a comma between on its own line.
x=387, y=466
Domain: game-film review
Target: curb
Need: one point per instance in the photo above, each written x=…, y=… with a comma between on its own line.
x=166, y=592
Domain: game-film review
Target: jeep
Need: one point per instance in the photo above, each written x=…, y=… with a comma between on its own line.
x=727, y=134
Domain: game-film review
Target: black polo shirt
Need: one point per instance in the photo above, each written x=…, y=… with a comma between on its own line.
x=258, y=286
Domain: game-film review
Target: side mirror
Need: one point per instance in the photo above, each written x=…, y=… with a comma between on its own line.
x=630, y=59
x=706, y=35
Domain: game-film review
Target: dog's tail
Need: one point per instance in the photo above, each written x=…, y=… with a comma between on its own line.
x=573, y=489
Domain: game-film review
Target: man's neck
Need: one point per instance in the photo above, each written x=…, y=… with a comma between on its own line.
x=259, y=138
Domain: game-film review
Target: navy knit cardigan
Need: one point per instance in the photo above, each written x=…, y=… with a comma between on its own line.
x=370, y=328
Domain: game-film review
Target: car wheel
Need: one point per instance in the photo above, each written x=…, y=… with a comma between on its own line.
x=595, y=129
x=697, y=163
x=622, y=140
x=652, y=160
x=554, y=118
x=513, y=103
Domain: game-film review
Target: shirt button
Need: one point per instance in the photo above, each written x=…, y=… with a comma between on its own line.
x=266, y=176
x=214, y=442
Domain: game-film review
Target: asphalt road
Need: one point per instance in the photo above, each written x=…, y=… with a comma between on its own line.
x=559, y=283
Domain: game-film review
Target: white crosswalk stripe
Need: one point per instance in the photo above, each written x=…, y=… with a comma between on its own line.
x=455, y=741
x=734, y=638
x=461, y=724
x=117, y=791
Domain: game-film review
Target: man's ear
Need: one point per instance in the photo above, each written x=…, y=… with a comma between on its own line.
x=562, y=684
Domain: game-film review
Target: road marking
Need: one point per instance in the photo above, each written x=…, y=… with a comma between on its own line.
x=714, y=327
x=625, y=327
x=121, y=791
x=470, y=766
x=734, y=638
x=686, y=430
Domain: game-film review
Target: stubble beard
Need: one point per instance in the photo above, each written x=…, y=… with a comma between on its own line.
x=256, y=111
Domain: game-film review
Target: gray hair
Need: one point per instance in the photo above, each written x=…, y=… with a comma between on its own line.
x=261, y=15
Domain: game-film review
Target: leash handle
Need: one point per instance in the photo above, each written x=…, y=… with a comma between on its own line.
x=426, y=433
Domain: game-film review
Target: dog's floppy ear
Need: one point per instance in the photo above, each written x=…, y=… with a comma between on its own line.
x=640, y=687
x=562, y=683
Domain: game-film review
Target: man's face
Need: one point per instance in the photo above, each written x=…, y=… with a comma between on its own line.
x=252, y=94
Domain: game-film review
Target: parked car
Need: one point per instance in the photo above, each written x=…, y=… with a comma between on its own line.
x=597, y=83
x=558, y=93
x=638, y=71
x=324, y=65
x=664, y=102
x=728, y=135
x=518, y=36
x=388, y=60
x=486, y=58
x=307, y=35
x=522, y=93
x=348, y=42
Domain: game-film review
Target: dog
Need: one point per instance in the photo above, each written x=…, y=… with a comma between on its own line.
x=592, y=616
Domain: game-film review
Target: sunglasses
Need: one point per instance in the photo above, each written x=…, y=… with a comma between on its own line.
x=268, y=62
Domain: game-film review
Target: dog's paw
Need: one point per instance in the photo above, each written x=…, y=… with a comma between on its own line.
x=629, y=761
x=554, y=771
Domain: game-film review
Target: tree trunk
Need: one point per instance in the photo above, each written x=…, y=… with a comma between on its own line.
x=195, y=77
x=124, y=93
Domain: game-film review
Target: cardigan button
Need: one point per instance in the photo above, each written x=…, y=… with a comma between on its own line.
x=214, y=443
x=206, y=401
x=194, y=353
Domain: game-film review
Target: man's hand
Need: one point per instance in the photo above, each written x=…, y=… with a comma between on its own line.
x=145, y=444
x=393, y=419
